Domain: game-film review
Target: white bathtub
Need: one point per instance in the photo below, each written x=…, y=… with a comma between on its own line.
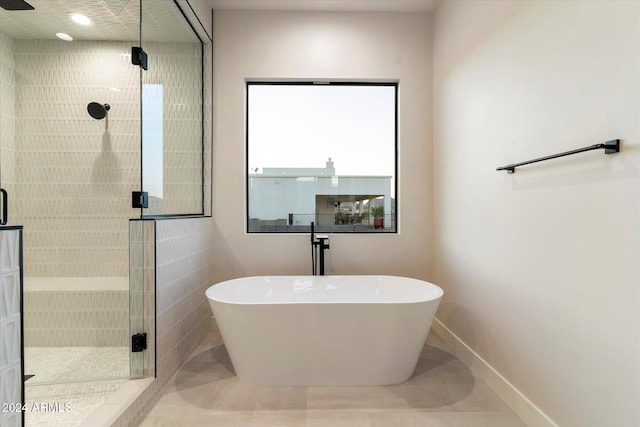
x=324, y=330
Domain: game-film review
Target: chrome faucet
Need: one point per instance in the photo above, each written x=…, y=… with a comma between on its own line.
x=318, y=241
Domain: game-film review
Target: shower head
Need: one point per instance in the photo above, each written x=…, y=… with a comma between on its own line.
x=98, y=111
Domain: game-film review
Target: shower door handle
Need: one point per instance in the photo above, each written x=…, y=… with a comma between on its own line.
x=3, y=220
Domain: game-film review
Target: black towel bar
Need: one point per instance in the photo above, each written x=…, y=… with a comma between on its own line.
x=610, y=147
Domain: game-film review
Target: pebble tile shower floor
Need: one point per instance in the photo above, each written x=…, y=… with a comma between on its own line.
x=442, y=392
x=75, y=400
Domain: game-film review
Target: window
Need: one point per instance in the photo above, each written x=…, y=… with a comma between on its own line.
x=152, y=141
x=322, y=153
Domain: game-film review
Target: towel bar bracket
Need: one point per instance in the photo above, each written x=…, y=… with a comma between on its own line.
x=612, y=146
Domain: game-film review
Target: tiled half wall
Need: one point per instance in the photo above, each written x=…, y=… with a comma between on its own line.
x=183, y=270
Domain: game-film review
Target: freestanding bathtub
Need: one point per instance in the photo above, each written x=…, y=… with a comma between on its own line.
x=324, y=330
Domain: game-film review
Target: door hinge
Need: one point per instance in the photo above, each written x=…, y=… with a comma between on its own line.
x=138, y=342
x=139, y=57
x=139, y=199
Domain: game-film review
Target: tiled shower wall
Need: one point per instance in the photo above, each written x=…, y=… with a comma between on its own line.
x=7, y=117
x=73, y=174
x=183, y=271
x=86, y=317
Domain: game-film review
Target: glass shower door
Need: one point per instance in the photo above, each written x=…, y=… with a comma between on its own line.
x=69, y=160
x=172, y=114
x=7, y=123
x=74, y=114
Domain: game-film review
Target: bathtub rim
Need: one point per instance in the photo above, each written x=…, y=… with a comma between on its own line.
x=439, y=292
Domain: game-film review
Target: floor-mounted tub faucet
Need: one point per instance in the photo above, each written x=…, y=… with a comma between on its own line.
x=318, y=241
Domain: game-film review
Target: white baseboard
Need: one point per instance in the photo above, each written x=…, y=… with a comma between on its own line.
x=528, y=412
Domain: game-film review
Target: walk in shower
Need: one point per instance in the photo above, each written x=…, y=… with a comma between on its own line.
x=101, y=126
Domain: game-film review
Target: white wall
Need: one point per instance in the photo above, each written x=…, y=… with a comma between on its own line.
x=322, y=45
x=541, y=268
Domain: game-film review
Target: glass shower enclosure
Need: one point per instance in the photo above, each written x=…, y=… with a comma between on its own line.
x=86, y=134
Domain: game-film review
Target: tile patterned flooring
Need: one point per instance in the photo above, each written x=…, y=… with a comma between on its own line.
x=442, y=392
x=67, y=364
x=53, y=399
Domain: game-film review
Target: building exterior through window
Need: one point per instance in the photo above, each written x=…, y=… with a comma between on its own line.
x=289, y=199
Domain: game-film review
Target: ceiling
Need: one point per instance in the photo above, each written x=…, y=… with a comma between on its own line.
x=162, y=21
x=113, y=20
x=329, y=5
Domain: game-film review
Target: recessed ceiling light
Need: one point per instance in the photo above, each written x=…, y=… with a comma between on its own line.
x=64, y=36
x=80, y=19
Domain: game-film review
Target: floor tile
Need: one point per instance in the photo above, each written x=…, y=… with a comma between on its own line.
x=476, y=397
x=56, y=364
x=393, y=419
x=175, y=416
x=325, y=419
x=468, y=419
x=361, y=398
x=428, y=397
x=441, y=392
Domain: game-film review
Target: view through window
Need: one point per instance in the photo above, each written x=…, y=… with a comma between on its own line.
x=323, y=153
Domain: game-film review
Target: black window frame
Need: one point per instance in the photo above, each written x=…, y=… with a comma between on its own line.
x=288, y=229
